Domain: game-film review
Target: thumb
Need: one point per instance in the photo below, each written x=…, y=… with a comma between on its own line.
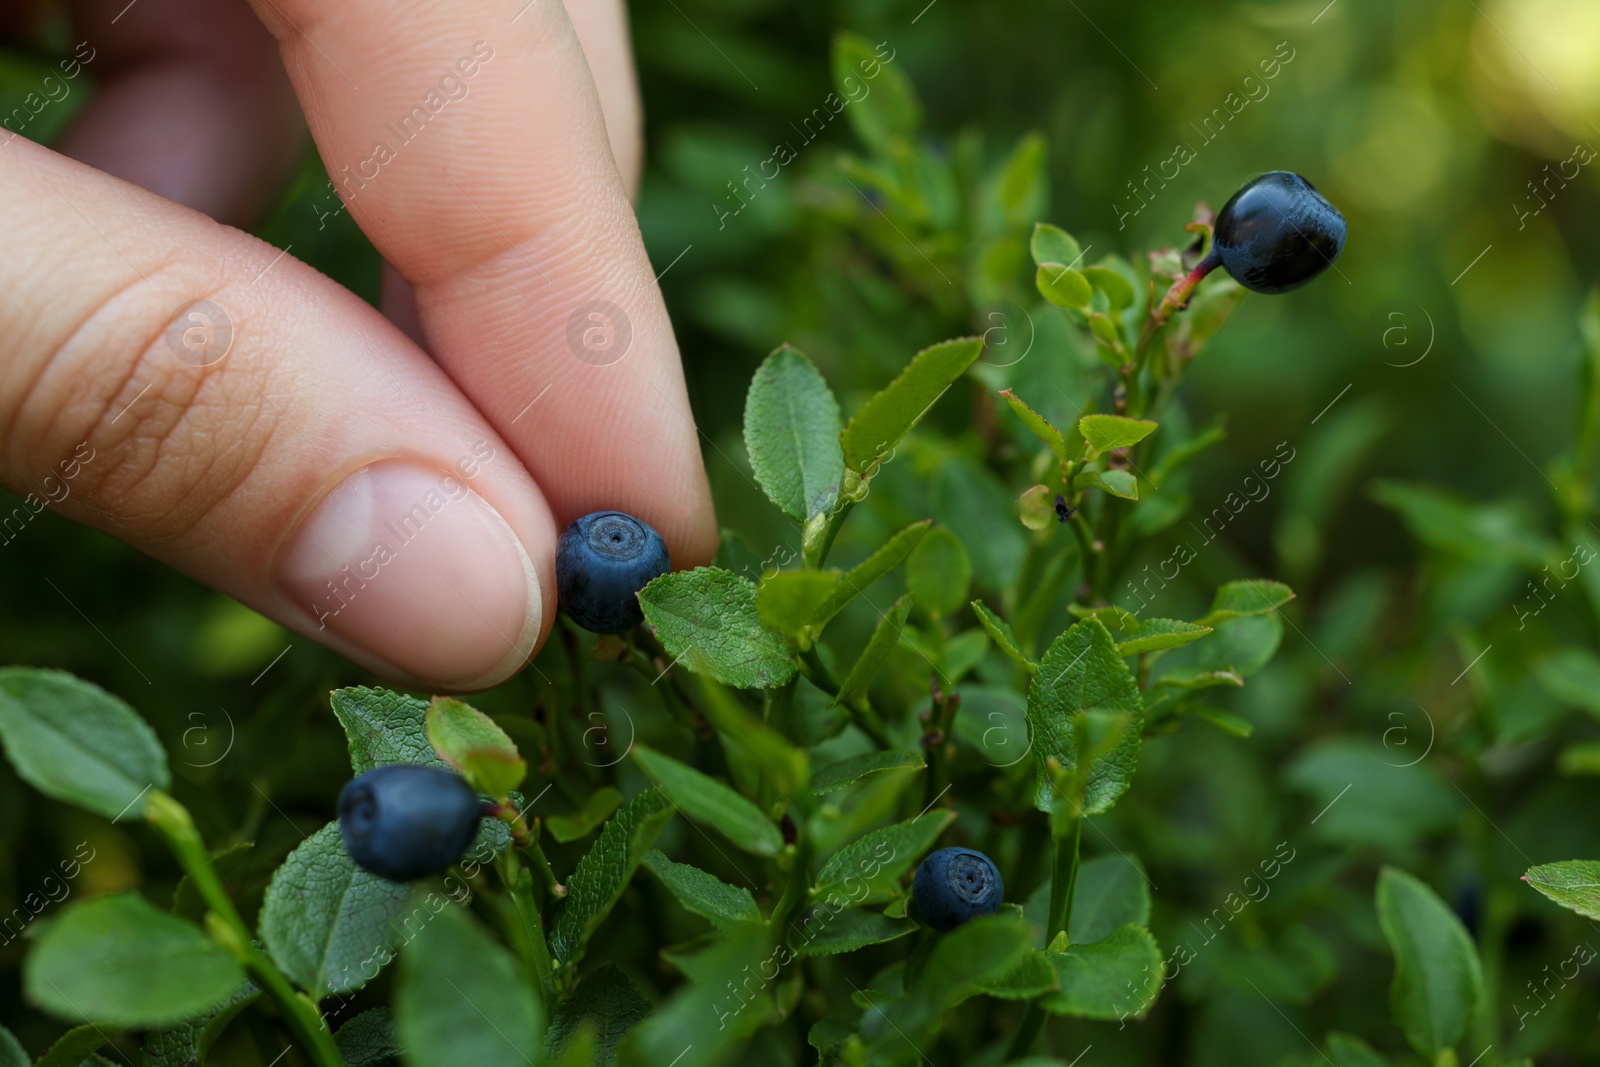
x=229, y=411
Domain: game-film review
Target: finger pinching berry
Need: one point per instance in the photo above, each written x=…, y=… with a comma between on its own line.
x=953, y=885
x=602, y=561
x=1277, y=233
x=404, y=821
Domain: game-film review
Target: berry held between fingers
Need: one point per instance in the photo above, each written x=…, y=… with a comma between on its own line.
x=1277, y=233
x=953, y=885
x=602, y=561
x=406, y=821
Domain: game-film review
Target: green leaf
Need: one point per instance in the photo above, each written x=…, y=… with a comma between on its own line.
x=791, y=431
x=1036, y=508
x=857, y=580
x=854, y=768
x=1222, y=720
x=939, y=573
x=119, y=961
x=788, y=601
x=1041, y=428
x=1238, y=647
x=1437, y=980
x=1118, y=483
x=1063, y=286
x=1156, y=634
x=1120, y=620
x=707, y=619
x=885, y=636
x=703, y=1019
x=849, y=930
x=1052, y=244
x=1000, y=632
x=704, y=894
x=604, y=872
x=1349, y=1051
x=1083, y=672
x=462, y=998
x=369, y=1040
x=878, y=427
x=605, y=1002
x=748, y=739
x=872, y=863
x=883, y=103
x=1574, y=884
x=1249, y=597
x=706, y=800
x=189, y=1042
x=383, y=727
x=1572, y=676
x=581, y=823
x=325, y=921
x=1493, y=532
x=469, y=741
x=72, y=1048
x=75, y=742
x=1104, y=432
x=1033, y=977
x=1111, y=892
x=1114, y=978
x=12, y=1054
x=1118, y=292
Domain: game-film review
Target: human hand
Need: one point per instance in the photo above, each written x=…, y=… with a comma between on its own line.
x=283, y=441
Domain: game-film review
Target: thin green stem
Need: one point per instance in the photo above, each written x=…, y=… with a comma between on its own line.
x=831, y=531
x=1063, y=885
x=225, y=926
x=527, y=930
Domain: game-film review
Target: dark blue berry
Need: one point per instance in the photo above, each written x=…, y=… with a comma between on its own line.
x=1277, y=233
x=602, y=561
x=405, y=821
x=953, y=885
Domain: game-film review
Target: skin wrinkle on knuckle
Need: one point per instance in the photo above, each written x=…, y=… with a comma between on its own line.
x=168, y=455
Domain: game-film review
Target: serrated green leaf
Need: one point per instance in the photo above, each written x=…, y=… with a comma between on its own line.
x=1052, y=244
x=1083, y=672
x=604, y=872
x=791, y=431
x=453, y=978
x=878, y=427
x=597, y=808
x=788, y=601
x=999, y=631
x=1116, y=482
x=1438, y=981
x=866, y=870
x=1114, y=978
x=119, y=961
x=1118, y=292
x=77, y=743
x=857, y=580
x=1115, y=619
x=325, y=921
x=1063, y=286
x=369, y=1040
x=1574, y=884
x=939, y=573
x=707, y=619
x=847, y=931
x=1040, y=427
x=75, y=1046
x=885, y=637
x=854, y=768
x=1156, y=634
x=383, y=727
x=1032, y=977
x=1104, y=432
x=706, y=800
x=1249, y=597
x=605, y=1002
x=469, y=741
x=190, y=1041
x=884, y=108
x=704, y=894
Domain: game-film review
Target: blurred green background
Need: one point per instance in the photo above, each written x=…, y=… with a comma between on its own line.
x=1447, y=343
